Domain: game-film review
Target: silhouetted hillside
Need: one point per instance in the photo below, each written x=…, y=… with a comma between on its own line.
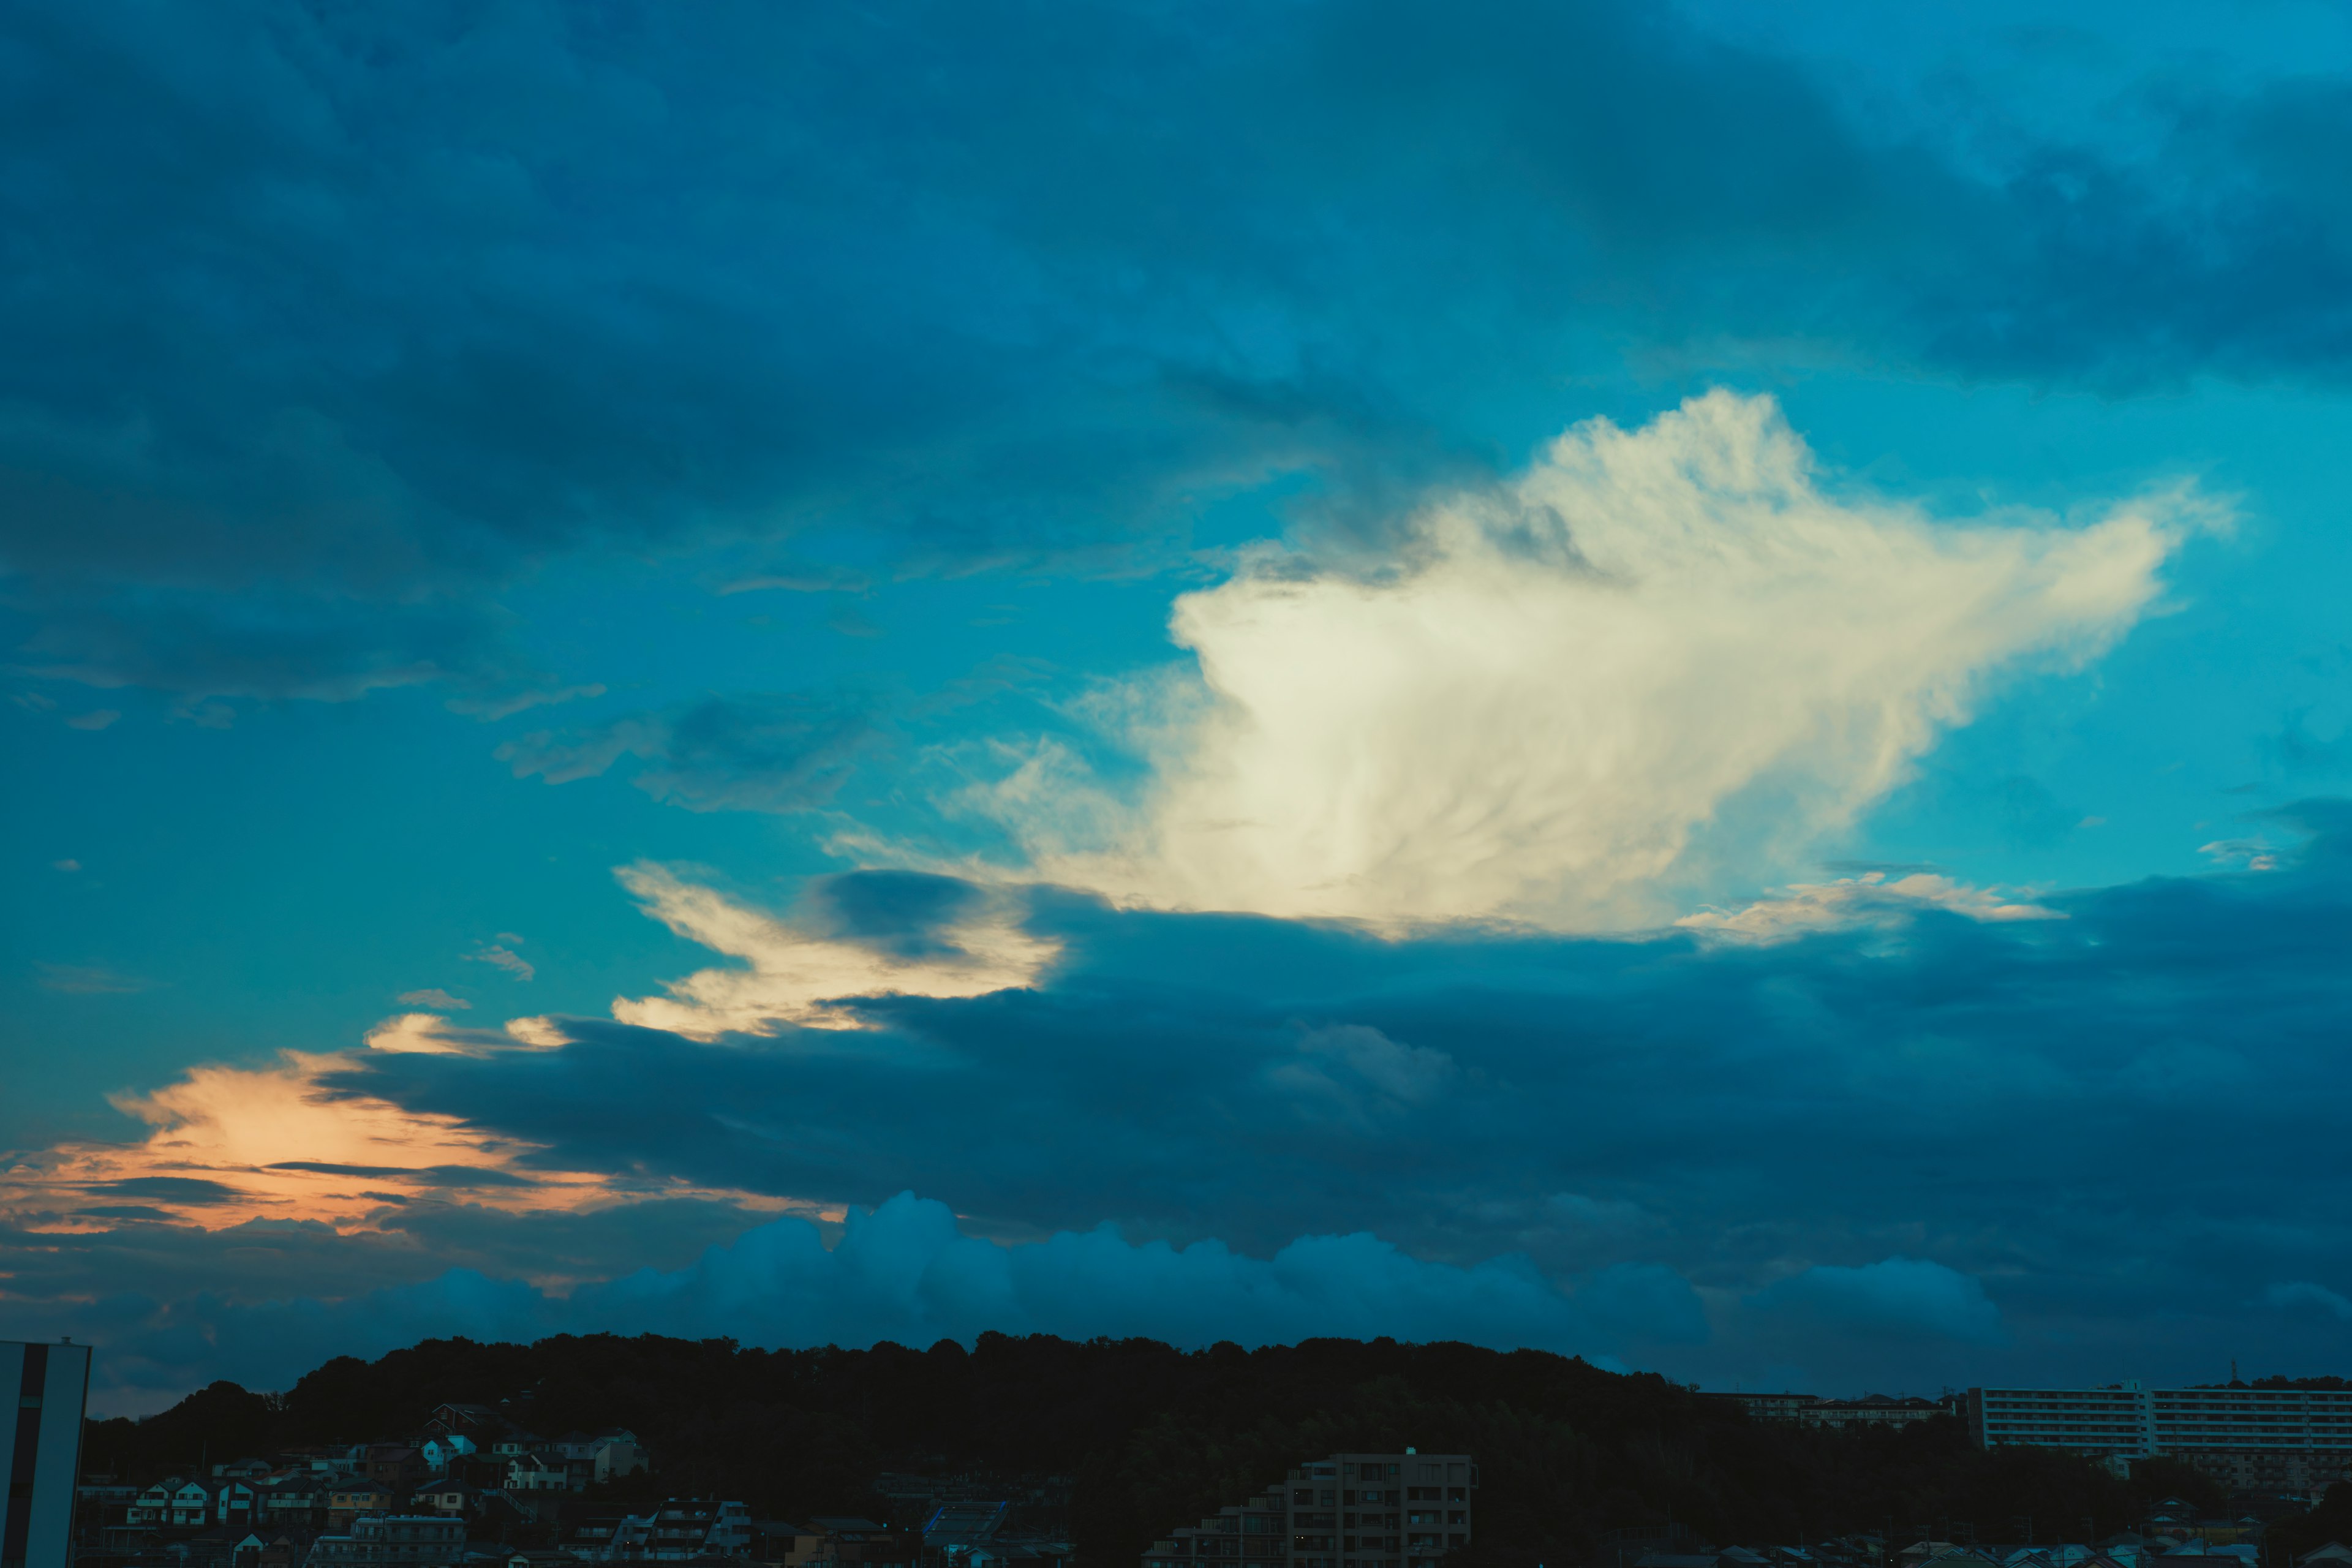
x=1155, y=1436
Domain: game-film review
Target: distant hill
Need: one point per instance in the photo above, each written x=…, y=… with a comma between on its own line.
x=1155, y=1436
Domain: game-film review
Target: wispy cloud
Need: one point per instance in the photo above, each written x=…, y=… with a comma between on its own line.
x=435, y=997
x=498, y=955
x=89, y=980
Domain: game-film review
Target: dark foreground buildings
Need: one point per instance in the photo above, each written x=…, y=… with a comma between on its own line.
x=1350, y=1511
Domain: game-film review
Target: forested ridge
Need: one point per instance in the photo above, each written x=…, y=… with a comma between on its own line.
x=1154, y=1436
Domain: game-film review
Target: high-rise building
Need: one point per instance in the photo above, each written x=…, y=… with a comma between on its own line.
x=40, y=1450
x=2287, y=1439
x=1349, y=1510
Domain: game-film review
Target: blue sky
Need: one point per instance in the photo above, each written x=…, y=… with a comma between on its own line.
x=1667, y=682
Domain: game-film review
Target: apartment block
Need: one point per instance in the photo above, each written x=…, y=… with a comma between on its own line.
x=2293, y=1440
x=1347, y=1510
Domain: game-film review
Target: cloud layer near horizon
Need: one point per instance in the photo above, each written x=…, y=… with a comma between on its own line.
x=1657, y=1122
x=907, y=1272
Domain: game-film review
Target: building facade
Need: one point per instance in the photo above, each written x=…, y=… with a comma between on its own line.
x=1811, y=1410
x=1349, y=1510
x=392, y=1541
x=2291, y=1439
x=41, y=1449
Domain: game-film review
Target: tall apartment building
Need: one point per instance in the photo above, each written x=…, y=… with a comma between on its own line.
x=1349, y=1510
x=2292, y=1440
x=41, y=1449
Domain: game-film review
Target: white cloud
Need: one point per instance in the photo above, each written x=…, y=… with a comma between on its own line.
x=1539, y=708
x=794, y=973
x=424, y=1034
x=434, y=998
x=1871, y=900
x=2246, y=853
x=498, y=955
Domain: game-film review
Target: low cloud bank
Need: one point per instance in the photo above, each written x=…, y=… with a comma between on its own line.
x=907, y=1272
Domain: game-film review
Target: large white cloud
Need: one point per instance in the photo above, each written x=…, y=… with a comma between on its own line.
x=1538, y=708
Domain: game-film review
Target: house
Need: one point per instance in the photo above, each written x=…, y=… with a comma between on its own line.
x=284, y=1551
x=862, y=1543
x=450, y=1420
x=233, y=1504
x=244, y=1469
x=351, y=1497
x=539, y=1557
x=395, y=1465
x=678, y=1531
x=295, y=1496
x=192, y=1506
x=153, y=1506
x=617, y=1454
x=517, y=1443
x=2327, y=1556
x=440, y=1452
x=456, y=1498
x=538, y=1473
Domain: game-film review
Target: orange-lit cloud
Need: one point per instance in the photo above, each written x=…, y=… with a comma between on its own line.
x=229, y=1144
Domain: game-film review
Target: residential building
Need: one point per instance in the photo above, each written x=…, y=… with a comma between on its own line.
x=395, y=1465
x=1347, y=1510
x=1811, y=1410
x=1767, y=1406
x=440, y=1452
x=2280, y=1439
x=674, y=1533
x=474, y=1420
x=1872, y=1410
x=855, y=1543
x=617, y=1454
x=351, y=1496
x=43, y=1388
x=964, y=1524
x=294, y=1497
x=457, y=1499
x=538, y=1473
x=175, y=1502
x=392, y=1541
x=233, y=1504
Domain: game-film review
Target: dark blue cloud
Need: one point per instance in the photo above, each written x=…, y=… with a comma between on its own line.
x=366, y=312
x=777, y=752
x=905, y=913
